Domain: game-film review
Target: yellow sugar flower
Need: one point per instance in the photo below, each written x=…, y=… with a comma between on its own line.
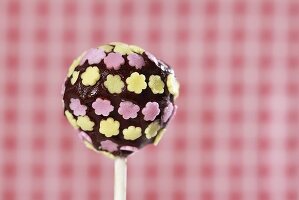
x=114, y=84
x=136, y=82
x=136, y=49
x=85, y=123
x=107, y=154
x=74, y=77
x=156, y=84
x=159, y=136
x=173, y=85
x=132, y=133
x=109, y=127
x=71, y=119
x=90, y=76
x=74, y=64
x=89, y=146
x=117, y=43
x=152, y=130
x=122, y=48
x=107, y=48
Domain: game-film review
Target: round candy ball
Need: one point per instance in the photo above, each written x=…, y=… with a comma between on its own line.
x=120, y=98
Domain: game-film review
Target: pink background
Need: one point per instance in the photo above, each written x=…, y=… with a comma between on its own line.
x=236, y=133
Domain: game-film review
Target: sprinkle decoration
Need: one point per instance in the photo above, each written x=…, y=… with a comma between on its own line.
x=173, y=85
x=90, y=76
x=151, y=111
x=77, y=108
x=108, y=145
x=93, y=56
x=168, y=110
x=114, y=84
x=132, y=133
x=71, y=119
x=85, y=123
x=136, y=83
x=152, y=130
x=156, y=84
x=136, y=61
x=75, y=77
x=114, y=61
x=102, y=107
x=109, y=127
x=128, y=110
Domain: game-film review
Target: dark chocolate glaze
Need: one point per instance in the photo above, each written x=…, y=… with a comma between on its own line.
x=88, y=94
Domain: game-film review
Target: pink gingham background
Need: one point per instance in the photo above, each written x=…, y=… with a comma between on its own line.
x=235, y=135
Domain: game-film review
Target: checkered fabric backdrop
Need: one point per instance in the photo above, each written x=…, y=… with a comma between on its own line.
x=235, y=135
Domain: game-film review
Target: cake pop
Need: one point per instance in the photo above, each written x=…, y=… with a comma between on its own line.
x=120, y=98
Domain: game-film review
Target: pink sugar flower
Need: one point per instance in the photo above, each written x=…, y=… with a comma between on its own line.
x=108, y=145
x=129, y=148
x=168, y=110
x=136, y=61
x=84, y=137
x=102, y=107
x=77, y=107
x=151, y=111
x=128, y=110
x=94, y=56
x=114, y=61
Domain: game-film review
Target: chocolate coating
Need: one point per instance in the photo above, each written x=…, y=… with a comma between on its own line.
x=89, y=94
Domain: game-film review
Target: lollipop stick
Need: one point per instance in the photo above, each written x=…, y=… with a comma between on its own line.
x=120, y=178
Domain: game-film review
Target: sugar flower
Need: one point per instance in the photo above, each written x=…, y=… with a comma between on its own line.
x=132, y=133
x=109, y=127
x=108, y=145
x=85, y=123
x=152, y=130
x=114, y=61
x=107, y=48
x=94, y=56
x=90, y=146
x=173, y=85
x=136, y=82
x=151, y=111
x=136, y=49
x=156, y=84
x=102, y=107
x=77, y=107
x=107, y=154
x=90, y=76
x=122, y=48
x=71, y=119
x=136, y=61
x=168, y=110
x=159, y=136
x=114, y=84
x=128, y=110
x=75, y=77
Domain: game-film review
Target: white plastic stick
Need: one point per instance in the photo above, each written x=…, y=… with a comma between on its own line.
x=120, y=178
